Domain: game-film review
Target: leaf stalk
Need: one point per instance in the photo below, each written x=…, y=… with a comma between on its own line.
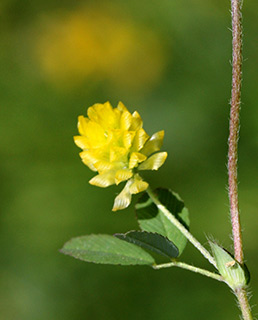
x=181, y=227
x=189, y=267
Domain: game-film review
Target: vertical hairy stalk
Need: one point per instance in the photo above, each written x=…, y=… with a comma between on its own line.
x=236, y=7
x=234, y=127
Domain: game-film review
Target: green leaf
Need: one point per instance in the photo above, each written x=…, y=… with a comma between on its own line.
x=106, y=249
x=151, y=219
x=236, y=276
x=152, y=241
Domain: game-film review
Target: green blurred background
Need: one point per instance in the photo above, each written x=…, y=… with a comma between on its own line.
x=170, y=60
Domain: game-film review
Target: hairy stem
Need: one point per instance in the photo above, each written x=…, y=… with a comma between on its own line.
x=181, y=227
x=189, y=267
x=236, y=7
x=244, y=304
x=234, y=128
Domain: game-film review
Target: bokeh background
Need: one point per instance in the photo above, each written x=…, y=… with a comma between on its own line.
x=170, y=60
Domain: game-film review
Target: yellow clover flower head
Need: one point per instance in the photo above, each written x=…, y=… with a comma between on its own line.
x=116, y=146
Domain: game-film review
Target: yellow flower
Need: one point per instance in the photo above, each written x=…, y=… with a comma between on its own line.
x=99, y=42
x=116, y=146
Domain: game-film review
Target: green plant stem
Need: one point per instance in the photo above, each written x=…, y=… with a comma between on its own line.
x=190, y=268
x=236, y=12
x=244, y=303
x=181, y=227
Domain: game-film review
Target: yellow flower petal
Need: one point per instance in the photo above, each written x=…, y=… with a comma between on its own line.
x=136, y=158
x=92, y=114
x=82, y=125
x=139, y=140
x=154, y=143
x=117, y=154
x=104, y=166
x=128, y=138
x=81, y=141
x=104, y=115
x=136, y=121
x=103, y=180
x=121, y=107
x=154, y=162
x=123, y=200
x=138, y=185
x=95, y=112
x=95, y=134
x=126, y=120
x=89, y=159
x=115, y=137
x=117, y=114
x=123, y=175
x=107, y=117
